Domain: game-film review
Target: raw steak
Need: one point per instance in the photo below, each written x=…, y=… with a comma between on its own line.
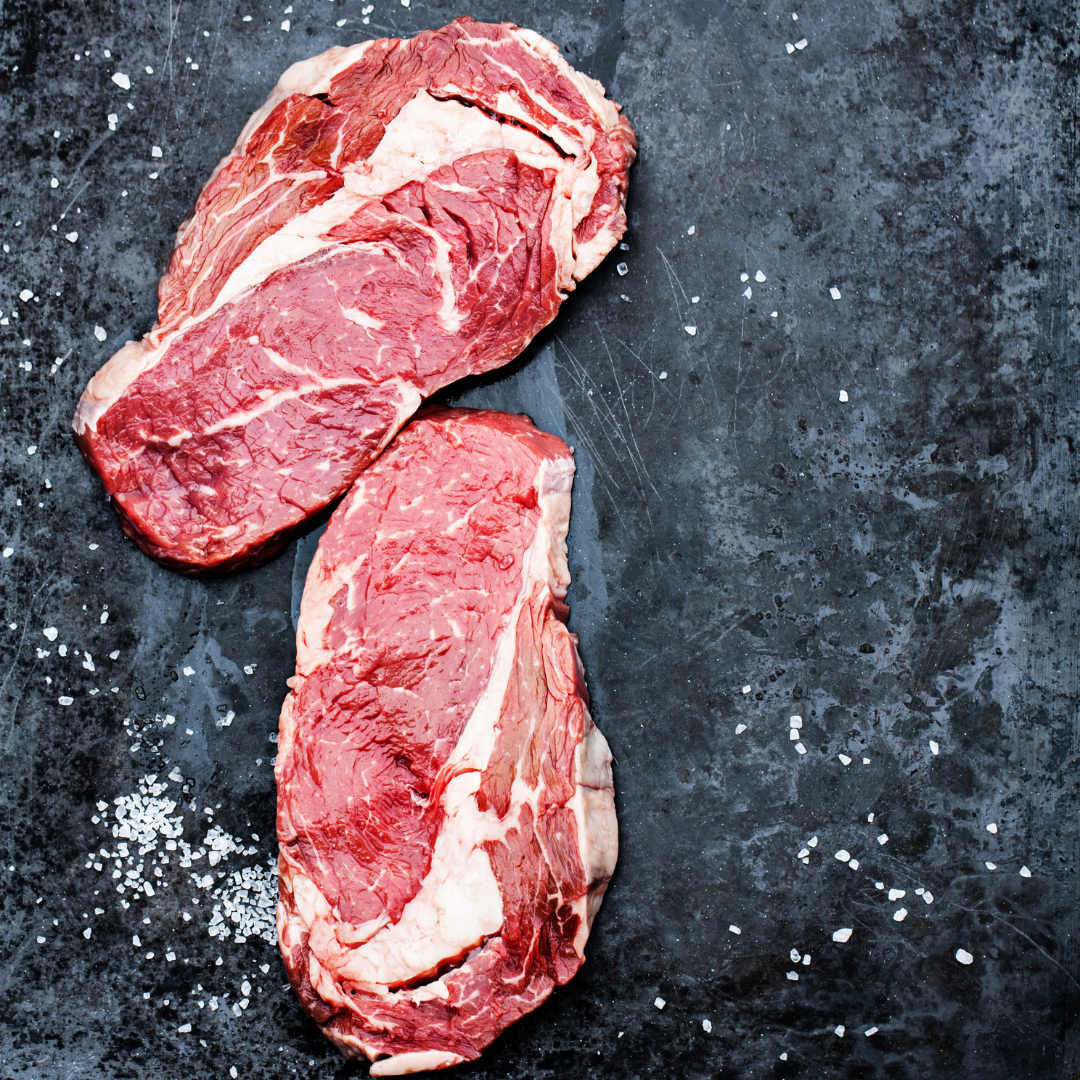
x=399, y=214
x=445, y=806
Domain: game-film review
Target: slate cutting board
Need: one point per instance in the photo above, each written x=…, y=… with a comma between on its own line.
x=849, y=487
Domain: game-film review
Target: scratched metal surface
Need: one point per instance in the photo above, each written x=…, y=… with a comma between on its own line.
x=898, y=568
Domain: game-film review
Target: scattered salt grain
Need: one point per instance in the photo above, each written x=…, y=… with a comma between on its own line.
x=50, y=632
x=285, y=24
x=733, y=929
x=783, y=1056
x=8, y=552
x=843, y=934
x=341, y=22
x=99, y=333
x=41, y=940
x=793, y=976
x=232, y=1072
x=659, y=1002
x=184, y=1028
x=155, y=151
x=136, y=941
x=839, y=1030
x=122, y=80
x=795, y=722
x=103, y=618
x=845, y=759
x=854, y=864
x=170, y=956
x=900, y=914
x=812, y=842
x=842, y=855
x=54, y=183
x=149, y=70
x=991, y=866
x=623, y=269
x=740, y=728
x=934, y=748
x=759, y=276
x=795, y=955
x=695, y=299
x=803, y=854
x=691, y=330
x=744, y=277
x=964, y=956
x=1025, y=872
x=65, y=700
x=992, y=827
x=834, y=292
x=801, y=44
x=871, y=1031
x=799, y=746
x=706, y=1026
x=749, y=293
x=790, y=48
x=897, y=894
x=747, y=688
x=866, y=761
x=883, y=839
x=663, y=375
x=843, y=395
x=773, y=314
x=189, y=671
x=26, y=294
x=928, y=897
x=691, y=230
x=87, y=932
x=793, y=735
x=71, y=237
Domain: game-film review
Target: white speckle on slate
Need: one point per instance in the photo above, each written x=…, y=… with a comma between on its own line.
x=691, y=330
x=992, y=827
x=246, y=18
x=871, y=1031
x=774, y=314
x=840, y=1029
x=54, y=183
x=866, y=761
x=834, y=292
x=659, y=1002
x=99, y=333
x=65, y=700
x=122, y=80
x=964, y=956
x=854, y=864
x=155, y=151
x=883, y=839
x=793, y=976
x=759, y=276
x=747, y=688
x=795, y=722
x=934, y=748
x=285, y=24
x=184, y=1028
x=803, y=854
x=790, y=48
x=71, y=237
x=170, y=956
x=663, y=375
x=795, y=955
x=135, y=940
x=695, y=299
x=845, y=759
x=928, y=897
x=900, y=914
x=843, y=395
x=812, y=842
x=744, y=277
x=691, y=230
x=991, y=866
x=341, y=22
x=153, y=176
x=733, y=929
x=783, y=1056
x=740, y=728
x=26, y=294
x=1025, y=872
x=104, y=618
x=801, y=43
x=897, y=894
x=50, y=632
x=749, y=293
x=623, y=269
x=232, y=1071
x=843, y=934
x=793, y=735
x=87, y=932
x=806, y=960
x=706, y=1026
x=842, y=855
x=799, y=746
x=41, y=941
x=189, y=671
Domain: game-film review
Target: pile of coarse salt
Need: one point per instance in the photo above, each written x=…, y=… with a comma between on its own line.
x=248, y=899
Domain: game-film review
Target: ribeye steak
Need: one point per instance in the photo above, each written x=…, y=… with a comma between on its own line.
x=446, y=817
x=398, y=214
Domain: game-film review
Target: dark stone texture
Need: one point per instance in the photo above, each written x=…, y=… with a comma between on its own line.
x=897, y=568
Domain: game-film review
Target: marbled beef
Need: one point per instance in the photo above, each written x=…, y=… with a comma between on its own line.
x=445, y=807
x=399, y=214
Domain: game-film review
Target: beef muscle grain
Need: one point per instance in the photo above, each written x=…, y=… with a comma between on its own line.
x=445, y=807
x=399, y=214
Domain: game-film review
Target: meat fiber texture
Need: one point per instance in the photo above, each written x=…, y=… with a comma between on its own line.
x=446, y=815
x=398, y=215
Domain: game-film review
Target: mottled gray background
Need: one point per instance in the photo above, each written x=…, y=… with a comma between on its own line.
x=897, y=568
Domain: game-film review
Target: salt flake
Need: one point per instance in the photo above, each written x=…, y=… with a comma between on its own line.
x=843, y=934
x=964, y=956
x=801, y=44
x=691, y=330
x=759, y=276
x=845, y=759
x=659, y=1002
x=99, y=333
x=834, y=292
x=1025, y=872
x=992, y=827
x=733, y=929
x=839, y=1030
x=934, y=748
x=843, y=395
x=842, y=855
x=122, y=80
x=900, y=914
x=883, y=839
x=706, y=1026
x=740, y=728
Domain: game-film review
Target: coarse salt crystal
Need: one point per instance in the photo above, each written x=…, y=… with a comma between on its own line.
x=834, y=292
x=964, y=956
x=812, y=842
x=740, y=728
x=928, y=897
x=793, y=976
x=54, y=183
x=659, y=1002
x=232, y=1072
x=749, y=293
x=87, y=932
x=844, y=758
x=184, y=1028
x=991, y=866
x=155, y=151
x=801, y=44
x=706, y=1026
x=843, y=395
x=759, y=276
x=26, y=294
x=189, y=671
x=773, y=314
x=854, y=864
x=897, y=894
x=790, y=48
x=71, y=237
x=871, y=1031
x=795, y=955
x=170, y=956
x=691, y=230
x=934, y=748
x=799, y=746
x=285, y=24
x=866, y=761
x=744, y=277
x=803, y=854
x=691, y=330
x=1025, y=872
x=733, y=929
x=883, y=839
x=41, y=940
x=840, y=1029
x=843, y=934
x=50, y=632
x=65, y=700
x=663, y=376
x=99, y=333
x=122, y=80
x=623, y=269
x=842, y=855
x=793, y=735
x=992, y=827
x=795, y=721
x=341, y=22
x=900, y=914
x=747, y=688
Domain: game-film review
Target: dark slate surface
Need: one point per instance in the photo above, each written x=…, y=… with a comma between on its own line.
x=898, y=568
